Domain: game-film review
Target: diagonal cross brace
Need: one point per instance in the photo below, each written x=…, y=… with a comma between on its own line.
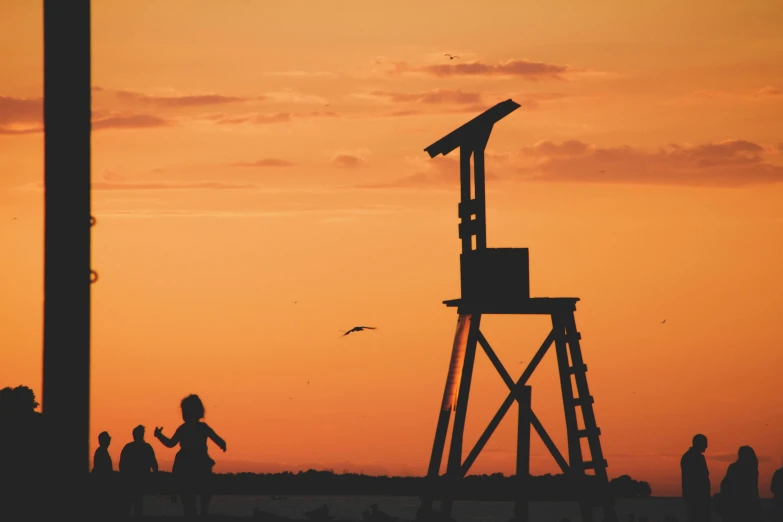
x=513, y=387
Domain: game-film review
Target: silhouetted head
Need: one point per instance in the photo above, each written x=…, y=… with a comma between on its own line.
x=17, y=400
x=700, y=443
x=104, y=439
x=747, y=456
x=6, y=398
x=24, y=398
x=192, y=408
x=138, y=433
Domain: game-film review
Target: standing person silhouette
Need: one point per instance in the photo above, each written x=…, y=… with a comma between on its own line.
x=137, y=461
x=696, y=481
x=102, y=473
x=740, y=487
x=192, y=466
x=776, y=486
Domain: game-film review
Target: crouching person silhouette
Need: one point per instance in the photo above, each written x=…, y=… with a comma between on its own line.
x=192, y=469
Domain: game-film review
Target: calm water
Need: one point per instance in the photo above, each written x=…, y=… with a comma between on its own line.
x=351, y=508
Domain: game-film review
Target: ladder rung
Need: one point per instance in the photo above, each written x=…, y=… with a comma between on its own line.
x=588, y=432
x=578, y=368
x=468, y=209
x=581, y=401
x=469, y=228
x=595, y=465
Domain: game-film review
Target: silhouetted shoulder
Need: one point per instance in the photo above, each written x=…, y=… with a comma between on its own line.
x=687, y=458
x=777, y=483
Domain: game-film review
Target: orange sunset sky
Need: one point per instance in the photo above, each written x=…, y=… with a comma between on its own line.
x=249, y=154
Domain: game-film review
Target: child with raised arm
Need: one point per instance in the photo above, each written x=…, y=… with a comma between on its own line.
x=192, y=465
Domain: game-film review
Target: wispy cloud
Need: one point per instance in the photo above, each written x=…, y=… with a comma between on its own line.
x=730, y=163
x=449, y=101
x=267, y=118
x=332, y=213
x=113, y=181
x=130, y=121
x=350, y=159
x=20, y=110
x=20, y=115
x=25, y=116
x=291, y=96
x=266, y=162
x=514, y=68
x=11, y=132
x=767, y=93
x=304, y=74
x=178, y=100
x=733, y=163
x=169, y=185
x=436, y=96
x=439, y=173
x=175, y=100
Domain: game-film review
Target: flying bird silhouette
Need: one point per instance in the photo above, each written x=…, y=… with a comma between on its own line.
x=451, y=57
x=663, y=321
x=358, y=329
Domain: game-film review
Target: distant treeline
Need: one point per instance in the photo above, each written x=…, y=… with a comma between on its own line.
x=473, y=487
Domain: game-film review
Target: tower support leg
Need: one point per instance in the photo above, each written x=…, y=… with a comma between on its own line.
x=453, y=381
x=454, y=466
x=521, y=512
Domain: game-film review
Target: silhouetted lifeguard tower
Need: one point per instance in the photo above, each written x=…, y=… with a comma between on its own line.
x=497, y=281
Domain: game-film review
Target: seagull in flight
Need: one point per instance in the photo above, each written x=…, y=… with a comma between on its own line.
x=451, y=57
x=663, y=321
x=358, y=329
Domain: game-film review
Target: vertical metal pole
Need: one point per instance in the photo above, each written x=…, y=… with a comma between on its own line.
x=66, y=351
x=465, y=152
x=521, y=512
x=480, y=196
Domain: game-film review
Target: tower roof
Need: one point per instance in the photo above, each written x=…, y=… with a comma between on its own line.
x=467, y=132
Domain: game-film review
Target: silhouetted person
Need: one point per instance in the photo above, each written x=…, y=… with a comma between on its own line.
x=137, y=461
x=740, y=488
x=101, y=461
x=102, y=474
x=192, y=469
x=777, y=495
x=696, y=481
x=22, y=453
